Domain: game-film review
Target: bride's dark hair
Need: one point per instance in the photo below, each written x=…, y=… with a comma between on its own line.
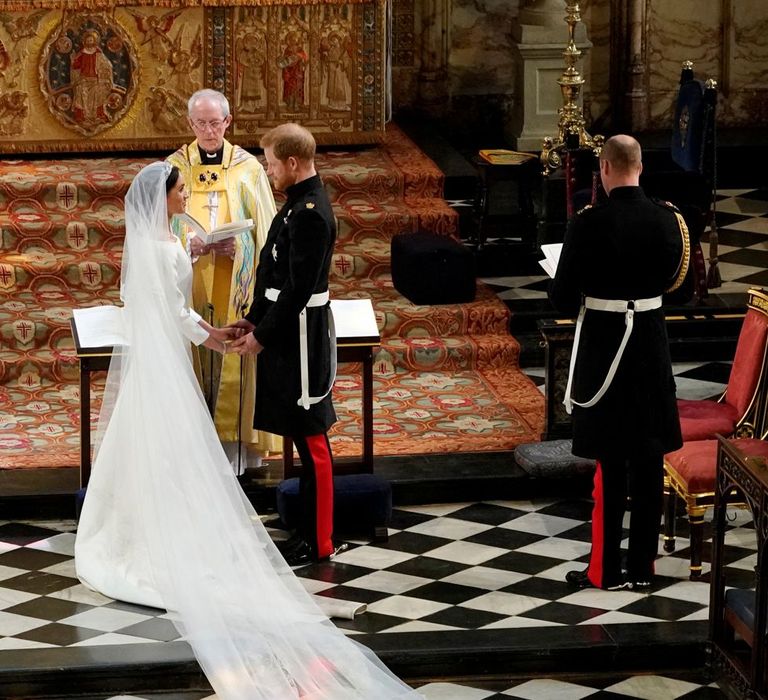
x=172, y=179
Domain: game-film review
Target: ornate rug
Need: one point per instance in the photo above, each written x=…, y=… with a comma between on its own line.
x=446, y=377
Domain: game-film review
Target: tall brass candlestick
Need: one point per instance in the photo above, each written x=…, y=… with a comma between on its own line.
x=571, y=127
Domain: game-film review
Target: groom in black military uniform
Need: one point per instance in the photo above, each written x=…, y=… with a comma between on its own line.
x=617, y=260
x=288, y=327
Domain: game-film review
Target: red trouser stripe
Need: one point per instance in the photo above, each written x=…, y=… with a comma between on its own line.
x=321, y=456
x=595, y=569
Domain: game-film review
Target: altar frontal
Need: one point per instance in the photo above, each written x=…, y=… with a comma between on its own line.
x=116, y=76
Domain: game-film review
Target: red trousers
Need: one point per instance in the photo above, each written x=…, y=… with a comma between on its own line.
x=316, y=492
x=643, y=477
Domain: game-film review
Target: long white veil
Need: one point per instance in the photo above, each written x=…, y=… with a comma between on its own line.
x=165, y=493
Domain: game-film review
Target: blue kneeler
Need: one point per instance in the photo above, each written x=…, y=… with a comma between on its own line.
x=361, y=503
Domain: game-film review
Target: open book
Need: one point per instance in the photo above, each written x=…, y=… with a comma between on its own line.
x=99, y=326
x=218, y=234
x=551, y=257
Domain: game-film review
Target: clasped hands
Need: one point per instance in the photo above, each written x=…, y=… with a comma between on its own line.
x=225, y=247
x=236, y=337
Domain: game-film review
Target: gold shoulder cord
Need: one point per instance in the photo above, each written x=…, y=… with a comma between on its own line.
x=682, y=268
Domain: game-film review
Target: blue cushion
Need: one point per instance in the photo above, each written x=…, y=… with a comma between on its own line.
x=742, y=603
x=360, y=501
x=551, y=459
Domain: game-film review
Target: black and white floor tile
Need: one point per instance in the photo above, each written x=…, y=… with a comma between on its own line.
x=688, y=686
x=458, y=566
x=742, y=219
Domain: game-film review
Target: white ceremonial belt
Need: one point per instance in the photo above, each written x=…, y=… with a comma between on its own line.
x=622, y=306
x=319, y=299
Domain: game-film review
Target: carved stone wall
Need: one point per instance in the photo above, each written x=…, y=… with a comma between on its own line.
x=117, y=76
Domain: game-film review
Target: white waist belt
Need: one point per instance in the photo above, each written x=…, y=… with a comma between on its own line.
x=320, y=299
x=628, y=308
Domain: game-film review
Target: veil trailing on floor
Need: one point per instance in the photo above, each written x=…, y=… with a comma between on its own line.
x=165, y=522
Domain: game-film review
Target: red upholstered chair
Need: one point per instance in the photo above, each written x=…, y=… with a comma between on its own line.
x=690, y=473
x=737, y=411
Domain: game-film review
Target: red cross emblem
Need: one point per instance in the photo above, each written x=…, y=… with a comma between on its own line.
x=76, y=235
x=343, y=265
x=7, y=276
x=66, y=195
x=90, y=273
x=24, y=331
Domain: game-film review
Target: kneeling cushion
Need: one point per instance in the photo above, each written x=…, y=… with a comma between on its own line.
x=361, y=503
x=431, y=269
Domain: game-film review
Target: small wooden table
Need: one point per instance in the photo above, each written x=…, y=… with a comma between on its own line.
x=357, y=335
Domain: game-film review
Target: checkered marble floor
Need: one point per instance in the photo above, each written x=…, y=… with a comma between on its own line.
x=742, y=219
x=458, y=566
x=684, y=686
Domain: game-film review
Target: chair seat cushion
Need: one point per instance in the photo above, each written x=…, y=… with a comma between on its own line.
x=360, y=502
x=695, y=463
x=701, y=420
x=551, y=459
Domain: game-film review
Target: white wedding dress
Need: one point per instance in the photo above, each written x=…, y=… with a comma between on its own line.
x=165, y=522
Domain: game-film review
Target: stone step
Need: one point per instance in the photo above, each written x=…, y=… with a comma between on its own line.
x=396, y=316
x=449, y=353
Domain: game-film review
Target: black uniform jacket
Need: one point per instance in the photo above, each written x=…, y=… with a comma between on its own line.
x=630, y=247
x=295, y=259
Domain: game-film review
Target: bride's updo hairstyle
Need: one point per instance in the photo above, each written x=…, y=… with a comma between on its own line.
x=172, y=179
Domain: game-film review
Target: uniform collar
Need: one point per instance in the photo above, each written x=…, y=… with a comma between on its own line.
x=627, y=192
x=301, y=188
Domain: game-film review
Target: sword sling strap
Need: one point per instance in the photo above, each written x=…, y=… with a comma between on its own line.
x=321, y=299
x=628, y=308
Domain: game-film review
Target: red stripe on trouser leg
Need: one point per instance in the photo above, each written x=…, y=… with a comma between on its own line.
x=323, y=464
x=595, y=569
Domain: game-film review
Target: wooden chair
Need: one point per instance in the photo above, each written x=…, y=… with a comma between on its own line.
x=737, y=616
x=738, y=410
x=689, y=473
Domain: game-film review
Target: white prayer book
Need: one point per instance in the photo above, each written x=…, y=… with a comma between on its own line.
x=551, y=257
x=220, y=233
x=354, y=318
x=99, y=326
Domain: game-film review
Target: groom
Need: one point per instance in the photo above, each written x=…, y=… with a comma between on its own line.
x=287, y=327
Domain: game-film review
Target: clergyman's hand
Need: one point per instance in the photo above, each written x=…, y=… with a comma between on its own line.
x=197, y=247
x=225, y=248
x=239, y=328
x=247, y=345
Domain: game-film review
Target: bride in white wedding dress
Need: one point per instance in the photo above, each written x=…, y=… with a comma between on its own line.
x=165, y=522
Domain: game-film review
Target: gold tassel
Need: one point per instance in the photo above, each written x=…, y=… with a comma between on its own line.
x=713, y=274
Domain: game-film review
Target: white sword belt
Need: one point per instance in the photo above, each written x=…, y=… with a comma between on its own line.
x=321, y=299
x=628, y=308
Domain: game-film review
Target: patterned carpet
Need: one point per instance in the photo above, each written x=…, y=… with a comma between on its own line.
x=446, y=378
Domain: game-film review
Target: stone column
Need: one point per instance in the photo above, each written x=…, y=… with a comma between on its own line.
x=433, y=71
x=637, y=95
x=539, y=37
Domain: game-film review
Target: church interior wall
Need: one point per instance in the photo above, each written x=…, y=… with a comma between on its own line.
x=726, y=39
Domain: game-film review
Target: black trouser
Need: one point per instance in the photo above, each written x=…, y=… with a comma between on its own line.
x=316, y=492
x=644, y=475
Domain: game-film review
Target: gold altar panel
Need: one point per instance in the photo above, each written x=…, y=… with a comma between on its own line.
x=118, y=77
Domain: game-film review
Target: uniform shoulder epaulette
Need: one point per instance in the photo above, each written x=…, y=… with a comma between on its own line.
x=309, y=205
x=665, y=203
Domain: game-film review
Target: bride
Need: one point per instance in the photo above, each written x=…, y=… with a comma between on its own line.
x=165, y=523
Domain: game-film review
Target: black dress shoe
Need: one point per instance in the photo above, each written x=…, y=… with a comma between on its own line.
x=287, y=546
x=300, y=555
x=580, y=580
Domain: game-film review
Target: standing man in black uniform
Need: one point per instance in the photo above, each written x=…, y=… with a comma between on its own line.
x=617, y=260
x=288, y=328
